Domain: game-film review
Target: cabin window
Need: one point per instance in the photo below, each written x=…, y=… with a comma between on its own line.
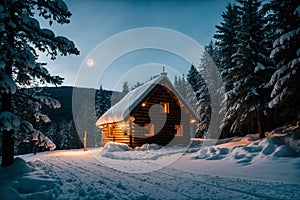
x=110, y=129
x=149, y=130
x=166, y=107
x=179, y=130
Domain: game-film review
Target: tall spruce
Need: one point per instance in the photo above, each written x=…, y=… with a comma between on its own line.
x=192, y=87
x=21, y=41
x=225, y=38
x=102, y=102
x=212, y=93
x=285, y=20
x=199, y=99
x=194, y=79
x=248, y=74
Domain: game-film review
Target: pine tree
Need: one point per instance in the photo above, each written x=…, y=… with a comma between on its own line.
x=125, y=88
x=194, y=78
x=183, y=87
x=175, y=80
x=136, y=85
x=102, y=102
x=190, y=89
x=285, y=20
x=212, y=93
x=30, y=112
x=197, y=98
x=225, y=40
x=21, y=40
x=247, y=78
x=68, y=137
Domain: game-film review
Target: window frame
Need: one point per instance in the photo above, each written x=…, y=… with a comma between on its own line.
x=110, y=128
x=166, y=107
x=179, y=130
x=149, y=130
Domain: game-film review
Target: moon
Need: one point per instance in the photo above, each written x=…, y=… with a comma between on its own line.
x=90, y=62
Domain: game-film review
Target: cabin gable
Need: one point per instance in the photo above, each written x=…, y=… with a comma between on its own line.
x=163, y=121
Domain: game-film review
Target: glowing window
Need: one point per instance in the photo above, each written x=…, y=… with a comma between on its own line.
x=166, y=107
x=111, y=130
x=149, y=130
x=179, y=130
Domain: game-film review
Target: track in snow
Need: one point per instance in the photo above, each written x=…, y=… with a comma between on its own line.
x=81, y=176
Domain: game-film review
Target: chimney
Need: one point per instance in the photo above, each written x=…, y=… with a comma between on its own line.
x=163, y=72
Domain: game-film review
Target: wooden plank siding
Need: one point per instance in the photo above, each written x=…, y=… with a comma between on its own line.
x=119, y=134
x=142, y=118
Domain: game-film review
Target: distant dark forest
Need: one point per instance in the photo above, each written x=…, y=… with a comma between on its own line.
x=61, y=130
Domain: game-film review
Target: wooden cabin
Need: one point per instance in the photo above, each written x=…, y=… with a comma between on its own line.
x=152, y=113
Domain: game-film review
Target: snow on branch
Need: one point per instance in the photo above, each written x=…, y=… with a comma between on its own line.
x=52, y=103
x=39, y=116
x=55, y=10
x=44, y=76
x=28, y=134
x=8, y=121
x=7, y=84
x=286, y=37
x=2, y=65
x=42, y=141
x=26, y=59
x=297, y=11
x=276, y=76
x=280, y=84
x=259, y=67
x=29, y=23
x=65, y=45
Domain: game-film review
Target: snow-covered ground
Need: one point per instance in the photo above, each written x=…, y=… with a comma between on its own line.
x=238, y=169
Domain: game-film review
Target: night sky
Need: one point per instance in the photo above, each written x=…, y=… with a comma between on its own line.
x=94, y=21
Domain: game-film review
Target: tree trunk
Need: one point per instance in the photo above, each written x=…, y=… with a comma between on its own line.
x=7, y=149
x=6, y=106
x=7, y=136
x=260, y=125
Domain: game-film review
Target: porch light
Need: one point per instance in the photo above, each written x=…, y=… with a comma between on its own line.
x=132, y=118
x=192, y=121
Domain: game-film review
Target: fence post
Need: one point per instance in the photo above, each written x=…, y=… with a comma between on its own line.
x=84, y=141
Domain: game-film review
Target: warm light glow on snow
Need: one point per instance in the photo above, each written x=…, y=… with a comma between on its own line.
x=67, y=153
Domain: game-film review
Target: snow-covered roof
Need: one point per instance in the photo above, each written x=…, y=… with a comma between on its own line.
x=121, y=110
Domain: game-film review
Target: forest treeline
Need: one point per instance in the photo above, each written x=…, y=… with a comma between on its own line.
x=257, y=51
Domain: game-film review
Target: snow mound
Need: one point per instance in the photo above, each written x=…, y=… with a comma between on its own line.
x=19, y=167
x=120, y=151
x=147, y=147
x=21, y=181
x=282, y=142
x=121, y=147
x=115, y=147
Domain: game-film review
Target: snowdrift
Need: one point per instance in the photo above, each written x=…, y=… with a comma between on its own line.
x=120, y=151
x=147, y=158
x=22, y=181
x=282, y=142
